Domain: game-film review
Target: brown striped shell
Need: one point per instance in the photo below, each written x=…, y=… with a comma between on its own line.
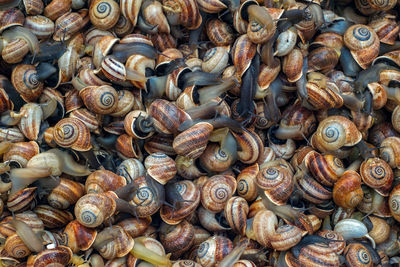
x=59, y=256
x=216, y=191
x=246, y=182
x=102, y=181
x=235, y=211
x=243, y=51
x=21, y=152
x=65, y=194
x=219, y=32
x=377, y=174
x=183, y=12
x=100, y=99
x=73, y=133
x=77, y=236
x=52, y=217
x=25, y=80
x=160, y=167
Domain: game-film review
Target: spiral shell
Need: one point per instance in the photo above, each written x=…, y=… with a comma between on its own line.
x=363, y=43
x=65, y=194
x=177, y=239
x=243, y=51
x=292, y=65
x=251, y=146
x=160, y=167
x=394, y=203
x=11, y=17
x=77, y=236
x=377, y=174
x=53, y=218
x=100, y=99
x=15, y=247
x=102, y=181
x=22, y=200
x=277, y=182
x=21, y=152
x=347, y=191
x=73, y=133
x=216, y=191
x=87, y=117
x=59, y=256
x=390, y=151
x=104, y=14
x=15, y=51
x=215, y=60
x=135, y=227
x=219, y=32
x=69, y=24
x=357, y=254
x=337, y=247
x=146, y=199
x=56, y=8
x=246, y=182
x=213, y=250
x=131, y=169
x=183, y=12
x=40, y=26
x=119, y=246
x=91, y=210
x=25, y=80
x=235, y=211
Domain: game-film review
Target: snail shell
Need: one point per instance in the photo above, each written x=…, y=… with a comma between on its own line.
x=118, y=246
x=69, y=24
x=77, y=236
x=160, y=167
x=219, y=32
x=377, y=174
x=177, y=239
x=25, y=80
x=59, y=256
x=22, y=200
x=15, y=51
x=337, y=247
x=292, y=65
x=386, y=29
x=66, y=193
x=53, y=218
x=21, y=152
x=389, y=151
x=363, y=43
x=394, y=203
x=100, y=99
x=235, y=211
x=57, y=8
x=243, y=51
x=251, y=146
x=347, y=191
x=183, y=12
x=104, y=14
x=15, y=247
x=246, y=183
x=11, y=17
x=357, y=254
x=213, y=250
x=216, y=191
x=215, y=60
x=102, y=181
x=211, y=6
x=131, y=169
x=146, y=199
x=380, y=231
x=135, y=227
x=73, y=133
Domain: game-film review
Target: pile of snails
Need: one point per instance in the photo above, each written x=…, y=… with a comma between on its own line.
x=199, y=133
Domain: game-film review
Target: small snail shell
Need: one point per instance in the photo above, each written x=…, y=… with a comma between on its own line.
x=286, y=42
x=356, y=254
x=235, y=211
x=21, y=152
x=53, y=218
x=125, y=103
x=347, y=191
x=102, y=181
x=146, y=199
x=22, y=200
x=380, y=231
x=135, y=227
x=40, y=26
x=113, y=242
x=292, y=65
x=104, y=14
x=389, y=152
x=213, y=250
x=25, y=80
x=192, y=142
x=363, y=43
x=57, y=8
x=219, y=32
x=65, y=194
x=91, y=210
x=177, y=239
x=101, y=49
x=326, y=169
x=160, y=167
x=216, y=191
x=131, y=169
x=277, y=182
x=31, y=119
x=246, y=183
x=128, y=147
x=394, y=203
x=185, y=263
x=73, y=133
x=153, y=15
x=251, y=146
x=314, y=191
x=215, y=60
x=15, y=247
x=78, y=237
x=377, y=174
x=167, y=116
x=183, y=12
x=138, y=124
x=59, y=256
x=334, y=132
x=243, y=51
x=87, y=117
x=100, y=99
x=211, y=6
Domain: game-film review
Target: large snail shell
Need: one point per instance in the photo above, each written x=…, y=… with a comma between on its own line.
x=15, y=247
x=65, y=194
x=69, y=24
x=347, y=192
x=177, y=239
x=146, y=200
x=184, y=12
x=377, y=174
x=216, y=191
x=334, y=132
x=104, y=14
x=277, y=182
x=25, y=80
x=77, y=236
x=40, y=26
x=192, y=142
x=219, y=32
x=363, y=43
x=53, y=218
x=390, y=151
x=73, y=133
x=91, y=210
x=57, y=8
x=102, y=181
x=15, y=51
x=292, y=65
x=357, y=254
